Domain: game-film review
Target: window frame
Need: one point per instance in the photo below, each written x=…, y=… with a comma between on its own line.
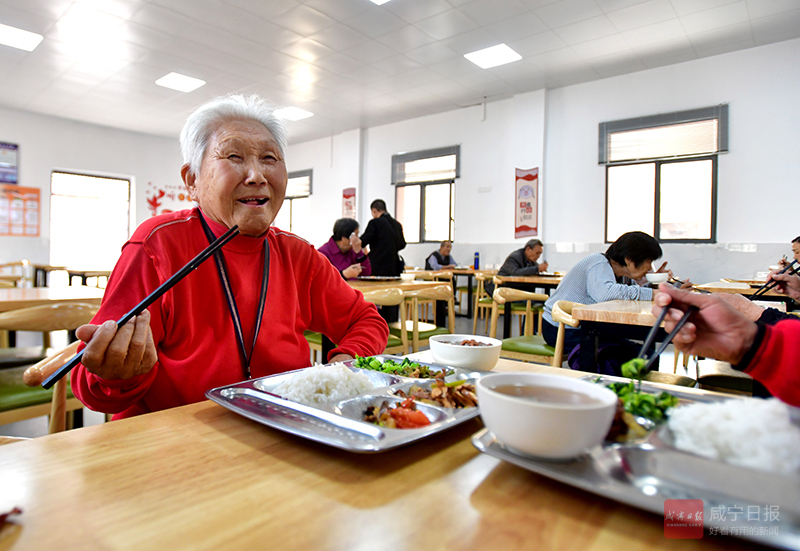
x=398, y=176
x=290, y=198
x=657, y=199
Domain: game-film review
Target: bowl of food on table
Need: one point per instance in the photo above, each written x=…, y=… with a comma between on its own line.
x=466, y=351
x=408, y=277
x=545, y=416
x=657, y=277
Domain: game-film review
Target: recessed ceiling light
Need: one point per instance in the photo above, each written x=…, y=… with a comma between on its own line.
x=17, y=38
x=179, y=82
x=293, y=113
x=494, y=56
x=379, y=2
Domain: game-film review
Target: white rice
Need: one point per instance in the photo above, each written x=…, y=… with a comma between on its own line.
x=324, y=384
x=752, y=433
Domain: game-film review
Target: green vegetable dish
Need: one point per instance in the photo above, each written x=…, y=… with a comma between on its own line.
x=406, y=368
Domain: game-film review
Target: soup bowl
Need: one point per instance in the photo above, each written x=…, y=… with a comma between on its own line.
x=446, y=349
x=657, y=277
x=408, y=277
x=547, y=416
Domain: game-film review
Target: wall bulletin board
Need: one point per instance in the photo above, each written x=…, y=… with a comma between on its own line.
x=19, y=210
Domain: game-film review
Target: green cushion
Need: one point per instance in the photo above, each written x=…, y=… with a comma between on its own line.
x=15, y=394
x=423, y=335
x=528, y=345
x=520, y=306
x=313, y=338
x=394, y=341
x=465, y=289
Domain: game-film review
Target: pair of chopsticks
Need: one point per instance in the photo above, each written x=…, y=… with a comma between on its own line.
x=648, y=342
x=694, y=287
x=151, y=298
x=771, y=284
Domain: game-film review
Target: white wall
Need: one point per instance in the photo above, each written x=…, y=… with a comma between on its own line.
x=49, y=143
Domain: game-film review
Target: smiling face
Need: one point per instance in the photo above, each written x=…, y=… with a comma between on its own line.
x=242, y=179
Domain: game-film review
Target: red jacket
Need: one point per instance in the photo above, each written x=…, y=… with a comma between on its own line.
x=192, y=327
x=776, y=363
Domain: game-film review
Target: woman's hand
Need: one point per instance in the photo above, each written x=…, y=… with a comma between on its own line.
x=716, y=330
x=355, y=242
x=352, y=271
x=341, y=358
x=118, y=353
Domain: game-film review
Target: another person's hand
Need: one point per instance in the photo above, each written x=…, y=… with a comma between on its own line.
x=352, y=271
x=743, y=305
x=663, y=269
x=118, y=353
x=783, y=262
x=716, y=330
x=355, y=242
x=341, y=358
x=787, y=284
x=543, y=266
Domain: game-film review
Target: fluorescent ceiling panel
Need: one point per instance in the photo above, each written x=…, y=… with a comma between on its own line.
x=293, y=113
x=494, y=56
x=17, y=38
x=179, y=82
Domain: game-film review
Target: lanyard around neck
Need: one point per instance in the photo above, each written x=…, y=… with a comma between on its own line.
x=226, y=286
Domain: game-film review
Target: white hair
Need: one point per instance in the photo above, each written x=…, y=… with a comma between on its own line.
x=204, y=121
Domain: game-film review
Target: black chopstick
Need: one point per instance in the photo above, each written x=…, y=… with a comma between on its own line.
x=694, y=287
x=771, y=284
x=151, y=298
x=665, y=342
x=648, y=341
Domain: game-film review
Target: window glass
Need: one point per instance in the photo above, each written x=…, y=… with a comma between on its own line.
x=686, y=197
x=301, y=217
x=631, y=192
x=437, y=212
x=695, y=138
x=408, y=206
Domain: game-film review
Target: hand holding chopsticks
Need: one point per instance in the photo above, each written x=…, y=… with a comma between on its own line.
x=151, y=298
x=772, y=283
x=648, y=342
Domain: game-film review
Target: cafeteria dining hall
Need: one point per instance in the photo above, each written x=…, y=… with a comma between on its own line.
x=395, y=274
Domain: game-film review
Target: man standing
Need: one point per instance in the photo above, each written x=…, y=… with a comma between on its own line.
x=384, y=236
x=441, y=259
x=522, y=262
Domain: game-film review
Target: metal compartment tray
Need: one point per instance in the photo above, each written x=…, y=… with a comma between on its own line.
x=646, y=474
x=339, y=424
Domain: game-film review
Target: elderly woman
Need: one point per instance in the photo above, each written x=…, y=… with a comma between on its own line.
x=600, y=277
x=344, y=250
x=241, y=315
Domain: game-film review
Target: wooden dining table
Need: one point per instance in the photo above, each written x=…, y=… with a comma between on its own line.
x=546, y=282
x=200, y=477
x=15, y=298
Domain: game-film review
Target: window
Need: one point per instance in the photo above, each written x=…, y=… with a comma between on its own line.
x=295, y=213
x=425, y=193
x=89, y=220
x=661, y=174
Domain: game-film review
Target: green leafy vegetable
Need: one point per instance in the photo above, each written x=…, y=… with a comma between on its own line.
x=406, y=368
x=636, y=402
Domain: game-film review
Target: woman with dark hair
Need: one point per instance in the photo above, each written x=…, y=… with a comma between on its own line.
x=344, y=250
x=605, y=276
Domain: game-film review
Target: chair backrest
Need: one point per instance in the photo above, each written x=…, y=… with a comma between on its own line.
x=391, y=297
x=51, y=317
x=38, y=372
x=434, y=292
x=502, y=295
x=562, y=313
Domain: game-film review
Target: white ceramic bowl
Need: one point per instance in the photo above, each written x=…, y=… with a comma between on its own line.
x=407, y=277
x=657, y=277
x=468, y=357
x=545, y=429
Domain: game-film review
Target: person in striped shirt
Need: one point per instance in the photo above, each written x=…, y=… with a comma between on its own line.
x=615, y=274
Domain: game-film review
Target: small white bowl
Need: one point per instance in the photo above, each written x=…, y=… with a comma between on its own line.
x=408, y=277
x=445, y=350
x=657, y=277
x=539, y=428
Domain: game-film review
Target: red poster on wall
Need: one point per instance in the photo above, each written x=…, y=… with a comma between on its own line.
x=19, y=211
x=526, y=205
x=349, y=202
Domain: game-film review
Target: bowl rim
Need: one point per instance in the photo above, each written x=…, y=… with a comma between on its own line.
x=601, y=390
x=657, y=277
x=446, y=339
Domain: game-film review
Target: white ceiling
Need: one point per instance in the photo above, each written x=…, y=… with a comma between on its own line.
x=352, y=63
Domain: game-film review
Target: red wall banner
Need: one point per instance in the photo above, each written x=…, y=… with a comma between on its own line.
x=349, y=203
x=526, y=203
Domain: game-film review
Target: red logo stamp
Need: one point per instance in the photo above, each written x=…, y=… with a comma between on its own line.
x=683, y=519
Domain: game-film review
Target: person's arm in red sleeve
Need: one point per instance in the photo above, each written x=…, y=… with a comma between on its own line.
x=133, y=278
x=774, y=360
x=341, y=313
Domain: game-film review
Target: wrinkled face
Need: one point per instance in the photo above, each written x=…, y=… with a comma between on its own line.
x=445, y=249
x=344, y=244
x=242, y=179
x=534, y=254
x=637, y=272
x=796, y=251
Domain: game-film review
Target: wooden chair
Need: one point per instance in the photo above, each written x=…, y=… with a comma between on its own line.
x=422, y=332
x=522, y=311
x=398, y=344
x=721, y=377
x=482, y=304
x=22, y=397
x=527, y=347
x=562, y=313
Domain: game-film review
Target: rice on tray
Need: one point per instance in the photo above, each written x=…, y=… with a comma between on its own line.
x=753, y=433
x=323, y=384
